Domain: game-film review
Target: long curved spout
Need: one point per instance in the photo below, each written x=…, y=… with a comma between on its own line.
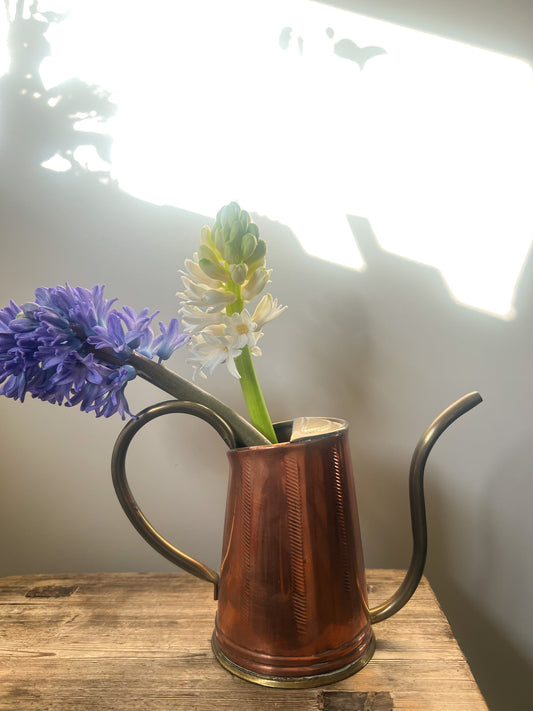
x=418, y=506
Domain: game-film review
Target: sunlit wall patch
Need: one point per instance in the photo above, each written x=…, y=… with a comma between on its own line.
x=308, y=113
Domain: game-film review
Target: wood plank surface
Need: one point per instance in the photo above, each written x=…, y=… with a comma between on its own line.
x=142, y=641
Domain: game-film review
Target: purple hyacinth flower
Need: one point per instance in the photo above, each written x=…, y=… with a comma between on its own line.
x=49, y=348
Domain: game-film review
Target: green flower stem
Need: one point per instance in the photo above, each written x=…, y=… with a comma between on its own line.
x=253, y=397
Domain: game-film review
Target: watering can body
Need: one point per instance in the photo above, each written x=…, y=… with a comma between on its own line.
x=292, y=600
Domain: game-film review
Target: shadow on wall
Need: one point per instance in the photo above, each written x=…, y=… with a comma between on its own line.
x=501, y=669
x=371, y=340
x=503, y=673
x=487, y=352
x=38, y=123
x=495, y=655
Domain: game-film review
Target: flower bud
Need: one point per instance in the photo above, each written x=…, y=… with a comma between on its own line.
x=206, y=252
x=244, y=219
x=248, y=245
x=257, y=255
x=214, y=270
x=228, y=214
x=236, y=231
x=253, y=229
x=205, y=235
x=232, y=251
x=238, y=273
x=221, y=235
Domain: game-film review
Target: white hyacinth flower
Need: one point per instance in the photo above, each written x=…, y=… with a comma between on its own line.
x=203, y=296
x=197, y=273
x=240, y=328
x=210, y=350
x=195, y=319
x=225, y=274
x=267, y=310
x=256, y=283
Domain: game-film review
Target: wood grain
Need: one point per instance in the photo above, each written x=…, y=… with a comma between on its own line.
x=142, y=641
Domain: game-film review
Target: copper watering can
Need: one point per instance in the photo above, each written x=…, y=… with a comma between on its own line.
x=292, y=600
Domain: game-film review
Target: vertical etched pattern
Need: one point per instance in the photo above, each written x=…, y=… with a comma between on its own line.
x=296, y=546
x=246, y=538
x=341, y=517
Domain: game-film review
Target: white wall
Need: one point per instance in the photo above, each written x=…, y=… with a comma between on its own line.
x=386, y=349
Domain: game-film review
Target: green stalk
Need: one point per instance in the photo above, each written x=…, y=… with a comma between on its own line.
x=253, y=397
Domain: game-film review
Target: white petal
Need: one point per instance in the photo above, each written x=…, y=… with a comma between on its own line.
x=267, y=310
x=256, y=284
x=198, y=274
x=232, y=367
x=218, y=298
x=215, y=329
x=194, y=319
x=201, y=295
x=210, y=350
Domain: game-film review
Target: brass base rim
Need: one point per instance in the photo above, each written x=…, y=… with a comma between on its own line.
x=294, y=682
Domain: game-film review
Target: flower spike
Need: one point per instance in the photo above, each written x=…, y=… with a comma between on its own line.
x=227, y=272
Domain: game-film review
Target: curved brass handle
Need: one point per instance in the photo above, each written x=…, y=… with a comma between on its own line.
x=418, y=506
x=125, y=496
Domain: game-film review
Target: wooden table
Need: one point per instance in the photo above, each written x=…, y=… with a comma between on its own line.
x=131, y=641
